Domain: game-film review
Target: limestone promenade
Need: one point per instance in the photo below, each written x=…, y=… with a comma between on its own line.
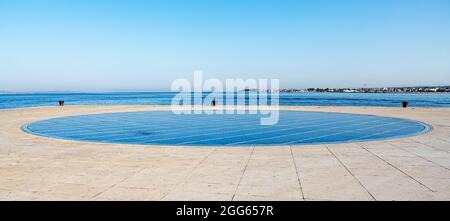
x=40, y=168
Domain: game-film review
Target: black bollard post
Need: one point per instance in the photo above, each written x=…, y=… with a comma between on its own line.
x=405, y=104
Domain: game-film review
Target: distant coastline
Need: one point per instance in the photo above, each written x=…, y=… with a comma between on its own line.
x=386, y=90
x=401, y=90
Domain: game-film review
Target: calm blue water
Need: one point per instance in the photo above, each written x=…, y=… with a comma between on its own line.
x=166, y=128
x=164, y=98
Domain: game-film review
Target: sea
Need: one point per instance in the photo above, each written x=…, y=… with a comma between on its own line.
x=21, y=100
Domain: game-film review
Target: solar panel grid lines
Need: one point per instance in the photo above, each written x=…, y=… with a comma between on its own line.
x=253, y=129
x=220, y=130
x=262, y=133
x=113, y=131
x=153, y=121
x=167, y=128
x=224, y=131
x=389, y=131
x=356, y=130
x=312, y=131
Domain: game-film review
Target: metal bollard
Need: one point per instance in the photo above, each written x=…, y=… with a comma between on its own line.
x=405, y=104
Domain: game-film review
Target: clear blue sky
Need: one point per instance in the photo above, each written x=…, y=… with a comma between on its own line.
x=109, y=45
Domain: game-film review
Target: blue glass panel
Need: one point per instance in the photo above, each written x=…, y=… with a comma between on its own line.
x=166, y=128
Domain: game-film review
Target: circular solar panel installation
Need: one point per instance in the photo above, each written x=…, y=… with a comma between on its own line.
x=167, y=128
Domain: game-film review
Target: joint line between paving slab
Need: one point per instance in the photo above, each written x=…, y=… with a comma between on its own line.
x=390, y=164
x=242, y=175
x=296, y=171
x=190, y=174
x=443, y=140
x=428, y=145
x=353, y=175
x=404, y=149
x=112, y=186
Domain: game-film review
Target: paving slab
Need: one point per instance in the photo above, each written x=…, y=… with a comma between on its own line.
x=40, y=168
